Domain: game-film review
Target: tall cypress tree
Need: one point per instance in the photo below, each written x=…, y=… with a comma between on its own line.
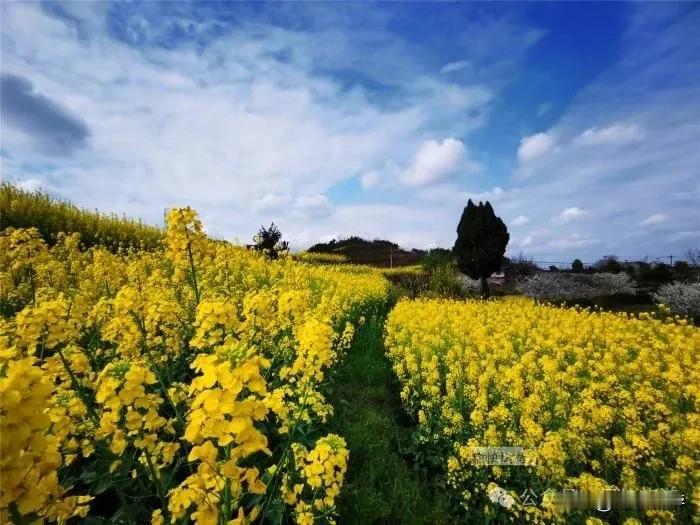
x=481, y=242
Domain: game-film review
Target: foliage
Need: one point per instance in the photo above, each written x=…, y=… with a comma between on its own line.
x=559, y=286
x=682, y=268
x=522, y=266
x=660, y=273
x=577, y=266
x=182, y=384
x=608, y=263
x=437, y=257
x=51, y=217
x=269, y=241
x=377, y=252
x=445, y=281
x=596, y=400
x=680, y=298
x=351, y=242
x=441, y=281
x=481, y=242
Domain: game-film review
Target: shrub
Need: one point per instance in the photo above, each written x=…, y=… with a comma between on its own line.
x=437, y=257
x=681, y=298
x=612, y=283
x=269, y=241
x=446, y=282
x=577, y=266
x=609, y=263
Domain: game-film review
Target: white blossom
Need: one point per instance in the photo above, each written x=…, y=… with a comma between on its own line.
x=681, y=298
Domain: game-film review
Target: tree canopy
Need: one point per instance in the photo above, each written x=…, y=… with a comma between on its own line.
x=481, y=242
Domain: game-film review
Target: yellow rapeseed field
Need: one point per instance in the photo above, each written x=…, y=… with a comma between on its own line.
x=182, y=383
x=596, y=401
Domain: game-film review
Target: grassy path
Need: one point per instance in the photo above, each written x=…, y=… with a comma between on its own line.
x=381, y=484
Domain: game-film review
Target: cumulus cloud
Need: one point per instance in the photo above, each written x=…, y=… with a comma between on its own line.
x=194, y=124
x=520, y=220
x=269, y=202
x=316, y=205
x=435, y=161
x=656, y=218
x=570, y=214
x=54, y=129
x=650, y=96
x=617, y=133
x=191, y=123
x=535, y=146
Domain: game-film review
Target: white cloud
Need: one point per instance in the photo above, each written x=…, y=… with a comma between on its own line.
x=614, y=134
x=535, y=146
x=269, y=202
x=656, y=218
x=316, y=205
x=369, y=179
x=459, y=65
x=434, y=161
x=570, y=214
x=216, y=130
x=520, y=220
x=30, y=185
x=649, y=96
x=493, y=195
x=526, y=241
x=569, y=242
x=195, y=124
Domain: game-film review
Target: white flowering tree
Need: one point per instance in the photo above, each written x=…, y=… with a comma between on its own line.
x=558, y=286
x=681, y=298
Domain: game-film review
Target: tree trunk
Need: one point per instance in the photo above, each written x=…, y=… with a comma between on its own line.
x=485, y=292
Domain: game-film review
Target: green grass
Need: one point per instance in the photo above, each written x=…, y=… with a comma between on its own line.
x=383, y=484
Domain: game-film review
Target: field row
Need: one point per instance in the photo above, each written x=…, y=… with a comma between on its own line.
x=595, y=401
x=186, y=383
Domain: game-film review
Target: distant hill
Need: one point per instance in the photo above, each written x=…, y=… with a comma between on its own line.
x=377, y=252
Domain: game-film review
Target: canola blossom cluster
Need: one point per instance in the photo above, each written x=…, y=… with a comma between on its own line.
x=597, y=401
x=181, y=384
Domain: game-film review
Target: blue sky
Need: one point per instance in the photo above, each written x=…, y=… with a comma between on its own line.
x=579, y=122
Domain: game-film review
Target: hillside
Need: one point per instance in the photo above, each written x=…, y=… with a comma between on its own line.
x=26, y=209
x=377, y=252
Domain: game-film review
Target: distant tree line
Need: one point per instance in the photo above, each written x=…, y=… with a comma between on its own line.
x=353, y=242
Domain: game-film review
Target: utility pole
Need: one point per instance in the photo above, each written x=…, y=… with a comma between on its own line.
x=671, y=259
